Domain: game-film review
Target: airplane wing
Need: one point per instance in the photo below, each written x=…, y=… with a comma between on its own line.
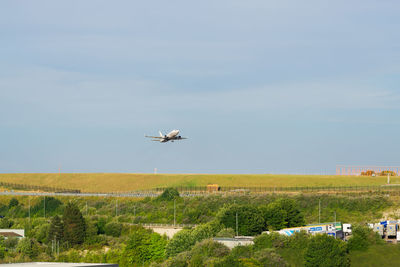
x=156, y=137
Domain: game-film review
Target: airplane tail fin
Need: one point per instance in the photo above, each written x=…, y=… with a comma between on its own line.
x=161, y=135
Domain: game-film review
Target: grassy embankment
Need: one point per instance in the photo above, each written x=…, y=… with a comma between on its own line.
x=110, y=182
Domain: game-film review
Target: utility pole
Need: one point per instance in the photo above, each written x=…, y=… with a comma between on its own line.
x=29, y=200
x=116, y=207
x=388, y=180
x=86, y=209
x=237, y=225
x=134, y=211
x=44, y=204
x=319, y=211
x=174, y=212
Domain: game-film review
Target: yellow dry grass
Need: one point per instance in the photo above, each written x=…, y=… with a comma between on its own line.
x=110, y=182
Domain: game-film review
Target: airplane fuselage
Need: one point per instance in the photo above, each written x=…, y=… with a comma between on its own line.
x=171, y=136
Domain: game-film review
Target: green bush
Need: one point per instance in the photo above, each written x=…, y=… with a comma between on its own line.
x=205, y=250
x=271, y=240
x=168, y=194
x=113, y=229
x=28, y=247
x=144, y=246
x=282, y=213
x=181, y=241
x=326, y=251
x=362, y=237
x=269, y=257
x=249, y=219
x=226, y=232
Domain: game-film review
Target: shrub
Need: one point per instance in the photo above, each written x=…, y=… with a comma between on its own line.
x=169, y=194
x=282, y=213
x=249, y=219
x=144, y=246
x=326, y=251
x=268, y=257
x=181, y=241
x=226, y=232
x=362, y=237
x=28, y=247
x=272, y=240
x=13, y=203
x=113, y=229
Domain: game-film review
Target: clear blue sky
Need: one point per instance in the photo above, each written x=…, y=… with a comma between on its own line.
x=257, y=86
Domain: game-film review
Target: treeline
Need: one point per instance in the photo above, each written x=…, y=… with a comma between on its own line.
x=194, y=210
x=105, y=230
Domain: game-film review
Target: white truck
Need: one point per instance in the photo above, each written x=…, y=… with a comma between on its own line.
x=347, y=229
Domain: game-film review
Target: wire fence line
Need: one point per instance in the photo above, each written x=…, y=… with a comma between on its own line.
x=191, y=191
x=38, y=188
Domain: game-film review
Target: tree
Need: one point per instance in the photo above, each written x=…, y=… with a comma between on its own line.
x=74, y=225
x=180, y=242
x=169, y=194
x=28, y=247
x=6, y=223
x=144, y=246
x=56, y=230
x=249, y=219
x=205, y=251
x=13, y=203
x=113, y=229
x=269, y=258
x=362, y=237
x=282, y=213
x=326, y=251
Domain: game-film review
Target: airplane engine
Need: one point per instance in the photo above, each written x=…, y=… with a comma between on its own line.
x=179, y=137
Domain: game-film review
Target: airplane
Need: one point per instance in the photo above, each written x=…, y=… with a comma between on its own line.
x=172, y=136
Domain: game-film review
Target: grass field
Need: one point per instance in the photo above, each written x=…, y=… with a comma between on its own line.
x=111, y=182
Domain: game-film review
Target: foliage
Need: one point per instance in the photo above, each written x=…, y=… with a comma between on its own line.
x=101, y=224
x=2, y=252
x=226, y=232
x=249, y=219
x=326, y=251
x=269, y=257
x=53, y=206
x=144, y=246
x=242, y=252
x=11, y=242
x=28, y=247
x=206, y=249
x=6, y=223
x=13, y=203
x=271, y=240
x=113, y=229
x=362, y=237
x=168, y=194
x=282, y=213
x=74, y=225
x=40, y=233
x=56, y=229
x=180, y=242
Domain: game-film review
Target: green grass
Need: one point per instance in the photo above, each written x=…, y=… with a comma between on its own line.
x=384, y=255
x=106, y=182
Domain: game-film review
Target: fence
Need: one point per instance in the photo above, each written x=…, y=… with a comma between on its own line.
x=202, y=190
x=38, y=188
x=395, y=189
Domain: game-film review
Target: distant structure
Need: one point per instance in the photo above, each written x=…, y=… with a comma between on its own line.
x=357, y=170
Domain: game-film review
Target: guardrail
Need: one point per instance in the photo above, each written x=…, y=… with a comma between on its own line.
x=163, y=225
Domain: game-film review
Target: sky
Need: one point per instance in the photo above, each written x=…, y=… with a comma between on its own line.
x=257, y=86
